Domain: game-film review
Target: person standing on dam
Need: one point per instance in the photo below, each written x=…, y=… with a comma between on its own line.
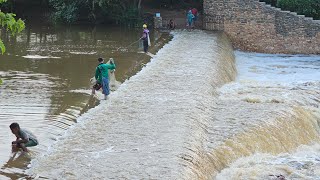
x=190, y=18
x=145, y=38
x=194, y=11
x=102, y=77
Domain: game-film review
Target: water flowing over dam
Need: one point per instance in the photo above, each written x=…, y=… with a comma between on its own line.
x=187, y=115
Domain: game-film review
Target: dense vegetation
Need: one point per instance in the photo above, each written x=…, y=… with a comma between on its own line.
x=118, y=11
x=10, y=24
x=93, y=11
x=71, y=11
x=129, y=12
x=310, y=8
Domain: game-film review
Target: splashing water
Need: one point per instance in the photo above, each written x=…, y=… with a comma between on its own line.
x=303, y=163
x=274, y=108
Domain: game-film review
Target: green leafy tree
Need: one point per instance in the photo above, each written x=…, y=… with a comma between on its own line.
x=8, y=21
x=66, y=11
x=70, y=11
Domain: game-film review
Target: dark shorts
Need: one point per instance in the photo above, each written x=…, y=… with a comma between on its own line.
x=145, y=45
x=31, y=143
x=195, y=18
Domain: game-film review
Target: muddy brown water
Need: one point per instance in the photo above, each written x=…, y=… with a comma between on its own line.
x=46, y=74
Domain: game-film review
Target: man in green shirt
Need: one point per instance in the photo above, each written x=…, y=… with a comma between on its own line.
x=102, y=76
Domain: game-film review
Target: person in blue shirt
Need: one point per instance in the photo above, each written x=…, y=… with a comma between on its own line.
x=24, y=138
x=190, y=18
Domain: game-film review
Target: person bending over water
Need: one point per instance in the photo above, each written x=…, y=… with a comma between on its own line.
x=102, y=77
x=24, y=138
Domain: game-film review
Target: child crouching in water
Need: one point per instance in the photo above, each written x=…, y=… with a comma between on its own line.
x=24, y=138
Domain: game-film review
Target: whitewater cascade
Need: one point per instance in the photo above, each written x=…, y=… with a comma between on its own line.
x=273, y=111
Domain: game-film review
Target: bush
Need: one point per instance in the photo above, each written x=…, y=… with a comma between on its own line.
x=72, y=11
x=310, y=8
x=65, y=11
x=127, y=13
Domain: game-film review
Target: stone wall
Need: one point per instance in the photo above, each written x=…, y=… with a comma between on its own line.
x=254, y=26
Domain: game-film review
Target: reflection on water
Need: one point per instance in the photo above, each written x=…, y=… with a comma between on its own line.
x=17, y=162
x=46, y=74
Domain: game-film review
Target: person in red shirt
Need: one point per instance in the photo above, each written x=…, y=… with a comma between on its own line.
x=195, y=13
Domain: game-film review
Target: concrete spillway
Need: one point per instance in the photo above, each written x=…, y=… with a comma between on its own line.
x=155, y=123
x=178, y=119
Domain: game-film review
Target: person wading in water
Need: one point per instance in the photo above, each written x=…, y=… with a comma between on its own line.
x=145, y=38
x=102, y=77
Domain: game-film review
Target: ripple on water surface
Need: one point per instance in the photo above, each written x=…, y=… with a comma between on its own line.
x=46, y=85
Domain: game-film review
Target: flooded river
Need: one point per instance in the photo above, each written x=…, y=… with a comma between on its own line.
x=46, y=74
x=198, y=110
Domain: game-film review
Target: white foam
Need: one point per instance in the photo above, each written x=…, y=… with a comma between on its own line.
x=40, y=57
x=269, y=87
x=284, y=69
x=82, y=91
x=82, y=52
x=304, y=163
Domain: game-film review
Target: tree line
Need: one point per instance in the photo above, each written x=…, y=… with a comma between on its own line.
x=128, y=12
x=10, y=24
x=94, y=11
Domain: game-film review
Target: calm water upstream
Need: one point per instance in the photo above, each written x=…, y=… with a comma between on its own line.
x=46, y=74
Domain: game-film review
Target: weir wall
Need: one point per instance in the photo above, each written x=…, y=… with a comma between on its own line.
x=254, y=26
x=154, y=125
x=182, y=117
